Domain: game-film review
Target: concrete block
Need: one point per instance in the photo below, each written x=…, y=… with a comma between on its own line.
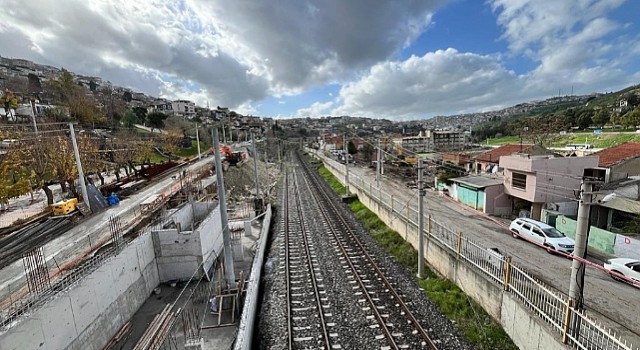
x=85, y=303
x=145, y=250
x=57, y=321
x=27, y=335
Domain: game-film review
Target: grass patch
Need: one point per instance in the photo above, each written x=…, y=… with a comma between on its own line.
x=472, y=320
x=191, y=151
x=604, y=140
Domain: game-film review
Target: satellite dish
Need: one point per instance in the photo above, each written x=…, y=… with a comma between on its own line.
x=609, y=197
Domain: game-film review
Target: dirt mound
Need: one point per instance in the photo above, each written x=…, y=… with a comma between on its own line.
x=240, y=180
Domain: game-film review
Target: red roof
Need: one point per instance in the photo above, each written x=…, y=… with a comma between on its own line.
x=494, y=155
x=619, y=153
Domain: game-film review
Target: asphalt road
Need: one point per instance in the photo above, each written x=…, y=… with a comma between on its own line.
x=617, y=302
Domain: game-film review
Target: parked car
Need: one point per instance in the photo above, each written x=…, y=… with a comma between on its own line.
x=629, y=268
x=543, y=234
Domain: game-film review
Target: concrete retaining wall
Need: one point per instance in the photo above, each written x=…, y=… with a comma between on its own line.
x=88, y=314
x=180, y=253
x=526, y=330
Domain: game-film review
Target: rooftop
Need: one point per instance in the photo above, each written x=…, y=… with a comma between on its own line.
x=617, y=154
x=479, y=181
x=494, y=155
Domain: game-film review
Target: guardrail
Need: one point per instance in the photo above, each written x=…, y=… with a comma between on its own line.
x=554, y=308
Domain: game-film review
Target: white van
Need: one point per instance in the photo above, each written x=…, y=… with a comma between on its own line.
x=543, y=234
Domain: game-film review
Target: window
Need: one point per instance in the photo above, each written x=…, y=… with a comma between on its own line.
x=538, y=232
x=527, y=227
x=519, y=181
x=553, y=232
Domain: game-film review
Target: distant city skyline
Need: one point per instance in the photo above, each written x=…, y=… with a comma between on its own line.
x=387, y=59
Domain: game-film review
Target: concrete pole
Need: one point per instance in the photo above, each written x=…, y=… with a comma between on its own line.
x=346, y=163
x=576, y=286
x=229, y=273
x=255, y=165
x=76, y=153
x=279, y=155
x=421, y=193
x=381, y=162
x=33, y=115
x=198, y=140
x=224, y=135
x=378, y=159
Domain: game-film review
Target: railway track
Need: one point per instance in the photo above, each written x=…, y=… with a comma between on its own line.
x=307, y=306
x=377, y=296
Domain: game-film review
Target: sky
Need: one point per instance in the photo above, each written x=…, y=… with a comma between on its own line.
x=398, y=60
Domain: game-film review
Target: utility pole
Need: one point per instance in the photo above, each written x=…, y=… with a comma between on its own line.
x=33, y=115
x=576, y=286
x=381, y=161
x=378, y=160
x=421, y=194
x=229, y=273
x=198, y=140
x=346, y=163
x=279, y=155
x=258, y=205
x=76, y=153
x=224, y=135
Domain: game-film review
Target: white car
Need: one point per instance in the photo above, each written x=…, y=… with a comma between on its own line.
x=629, y=268
x=543, y=234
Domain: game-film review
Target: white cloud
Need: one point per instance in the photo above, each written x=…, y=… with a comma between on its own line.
x=297, y=44
x=528, y=23
x=439, y=82
x=317, y=109
x=572, y=42
x=237, y=52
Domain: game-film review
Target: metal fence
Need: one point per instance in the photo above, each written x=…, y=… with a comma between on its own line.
x=574, y=326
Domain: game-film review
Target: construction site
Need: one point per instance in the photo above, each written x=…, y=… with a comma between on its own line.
x=168, y=267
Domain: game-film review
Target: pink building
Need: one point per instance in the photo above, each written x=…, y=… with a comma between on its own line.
x=533, y=181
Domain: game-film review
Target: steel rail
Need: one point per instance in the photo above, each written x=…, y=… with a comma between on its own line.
x=314, y=282
x=327, y=199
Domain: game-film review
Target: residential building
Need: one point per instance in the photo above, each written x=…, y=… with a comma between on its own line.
x=620, y=161
x=160, y=106
x=484, y=193
x=184, y=109
x=489, y=161
x=417, y=144
x=445, y=140
x=617, y=204
x=533, y=181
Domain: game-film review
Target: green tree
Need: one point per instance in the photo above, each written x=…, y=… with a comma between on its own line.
x=34, y=86
x=601, y=118
x=73, y=96
x=156, y=120
x=141, y=113
x=8, y=101
x=367, y=151
x=632, y=118
x=584, y=119
x=129, y=119
x=351, y=148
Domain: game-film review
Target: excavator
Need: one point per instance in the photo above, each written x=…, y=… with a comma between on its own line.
x=230, y=157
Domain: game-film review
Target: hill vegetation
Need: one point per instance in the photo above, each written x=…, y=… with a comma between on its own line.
x=619, y=111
